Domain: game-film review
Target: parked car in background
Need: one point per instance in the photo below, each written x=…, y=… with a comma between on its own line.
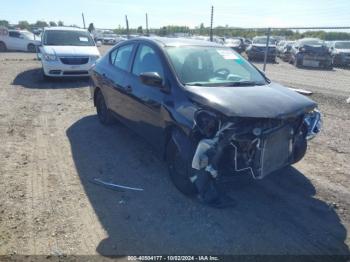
x=109, y=39
x=284, y=50
x=311, y=52
x=340, y=52
x=18, y=40
x=247, y=42
x=204, y=108
x=236, y=44
x=256, y=51
x=67, y=51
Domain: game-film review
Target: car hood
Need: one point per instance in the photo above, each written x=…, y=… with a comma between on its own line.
x=71, y=50
x=268, y=101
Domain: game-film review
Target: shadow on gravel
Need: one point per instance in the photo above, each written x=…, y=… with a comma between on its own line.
x=33, y=79
x=277, y=215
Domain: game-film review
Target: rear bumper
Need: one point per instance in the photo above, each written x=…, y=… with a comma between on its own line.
x=321, y=60
x=261, y=55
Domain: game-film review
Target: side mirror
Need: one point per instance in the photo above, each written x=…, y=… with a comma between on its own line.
x=151, y=79
x=98, y=43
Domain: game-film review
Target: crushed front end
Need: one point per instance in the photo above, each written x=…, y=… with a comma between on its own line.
x=258, y=146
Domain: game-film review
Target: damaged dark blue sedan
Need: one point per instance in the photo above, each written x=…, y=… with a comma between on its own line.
x=208, y=111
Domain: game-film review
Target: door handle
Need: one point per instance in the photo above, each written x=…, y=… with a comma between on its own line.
x=128, y=89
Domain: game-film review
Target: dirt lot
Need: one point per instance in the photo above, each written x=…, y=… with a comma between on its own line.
x=51, y=145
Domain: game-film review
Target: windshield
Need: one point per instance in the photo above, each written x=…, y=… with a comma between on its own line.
x=69, y=38
x=262, y=40
x=28, y=35
x=342, y=45
x=212, y=66
x=312, y=42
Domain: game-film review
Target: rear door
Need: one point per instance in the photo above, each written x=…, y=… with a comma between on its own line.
x=113, y=78
x=14, y=41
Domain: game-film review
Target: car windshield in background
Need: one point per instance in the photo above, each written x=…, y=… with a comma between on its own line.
x=263, y=41
x=213, y=66
x=342, y=45
x=312, y=42
x=69, y=38
x=28, y=35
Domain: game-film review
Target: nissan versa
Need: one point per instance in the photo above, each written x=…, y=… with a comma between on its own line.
x=208, y=111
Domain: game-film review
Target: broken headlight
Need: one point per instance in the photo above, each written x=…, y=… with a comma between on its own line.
x=313, y=123
x=207, y=123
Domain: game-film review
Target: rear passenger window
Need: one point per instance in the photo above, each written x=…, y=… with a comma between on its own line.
x=120, y=57
x=113, y=55
x=14, y=34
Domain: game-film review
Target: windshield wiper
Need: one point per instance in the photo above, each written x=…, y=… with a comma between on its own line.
x=194, y=84
x=245, y=83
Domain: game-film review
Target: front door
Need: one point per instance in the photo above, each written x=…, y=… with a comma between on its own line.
x=146, y=105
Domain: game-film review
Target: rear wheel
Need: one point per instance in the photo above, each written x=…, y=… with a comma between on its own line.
x=31, y=48
x=179, y=170
x=104, y=114
x=2, y=47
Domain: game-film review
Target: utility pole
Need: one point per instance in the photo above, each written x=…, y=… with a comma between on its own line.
x=82, y=14
x=147, y=31
x=211, y=23
x=127, y=26
x=266, y=47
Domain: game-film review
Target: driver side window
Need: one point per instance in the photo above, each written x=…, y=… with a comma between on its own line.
x=147, y=60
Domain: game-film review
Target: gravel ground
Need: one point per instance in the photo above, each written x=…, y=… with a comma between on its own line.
x=51, y=145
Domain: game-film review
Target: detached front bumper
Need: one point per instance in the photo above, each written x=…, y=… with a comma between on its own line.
x=58, y=69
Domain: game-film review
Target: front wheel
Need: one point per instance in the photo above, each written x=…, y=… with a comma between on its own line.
x=104, y=114
x=31, y=48
x=2, y=47
x=179, y=170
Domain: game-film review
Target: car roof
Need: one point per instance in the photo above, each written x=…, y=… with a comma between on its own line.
x=168, y=41
x=64, y=28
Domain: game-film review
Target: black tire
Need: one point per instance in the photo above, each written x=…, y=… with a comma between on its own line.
x=104, y=114
x=179, y=170
x=31, y=48
x=296, y=62
x=3, y=47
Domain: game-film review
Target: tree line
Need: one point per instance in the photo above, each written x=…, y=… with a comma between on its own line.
x=223, y=31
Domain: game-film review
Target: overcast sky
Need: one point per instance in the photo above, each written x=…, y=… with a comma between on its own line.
x=237, y=13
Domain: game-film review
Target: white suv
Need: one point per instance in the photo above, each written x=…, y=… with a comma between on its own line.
x=67, y=51
x=19, y=40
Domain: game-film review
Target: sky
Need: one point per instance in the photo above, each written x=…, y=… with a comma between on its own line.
x=236, y=13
